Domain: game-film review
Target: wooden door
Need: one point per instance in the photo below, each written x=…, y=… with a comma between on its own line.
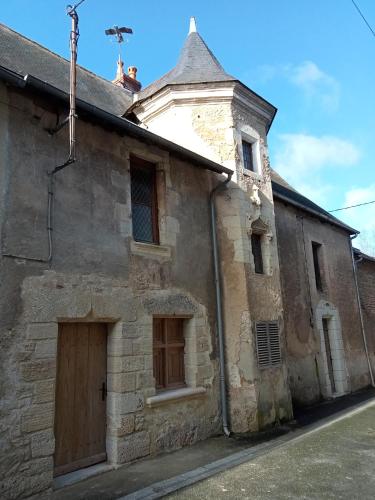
x=329, y=354
x=80, y=415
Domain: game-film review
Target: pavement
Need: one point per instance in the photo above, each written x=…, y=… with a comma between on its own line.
x=336, y=461
x=327, y=452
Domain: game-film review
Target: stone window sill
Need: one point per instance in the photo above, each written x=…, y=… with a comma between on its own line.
x=150, y=250
x=175, y=395
x=252, y=174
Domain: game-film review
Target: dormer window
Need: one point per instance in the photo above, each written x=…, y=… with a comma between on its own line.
x=248, y=160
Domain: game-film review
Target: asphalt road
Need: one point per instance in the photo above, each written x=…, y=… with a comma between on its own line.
x=334, y=462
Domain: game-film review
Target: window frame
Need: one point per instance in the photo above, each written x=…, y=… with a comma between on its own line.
x=164, y=348
x=258, y=252
x=317, y=262
x=250, y=146
x=140, y=164
x=254, y=141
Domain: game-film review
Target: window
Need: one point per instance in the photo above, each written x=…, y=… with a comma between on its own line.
x=256, y=247
x=144, y=201
x=268, y=343
x=248, y=161
x=316, y=250
x=168, y=353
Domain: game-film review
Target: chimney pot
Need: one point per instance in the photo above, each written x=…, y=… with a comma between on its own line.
x=132, y=72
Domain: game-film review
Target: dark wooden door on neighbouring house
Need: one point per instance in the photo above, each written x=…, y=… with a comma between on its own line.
x=327, y=343
x=80, y=405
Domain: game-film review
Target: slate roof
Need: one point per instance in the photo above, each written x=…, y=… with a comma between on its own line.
x=23, y=56
x=196, y=64
x=362, y=256
x=285, y=192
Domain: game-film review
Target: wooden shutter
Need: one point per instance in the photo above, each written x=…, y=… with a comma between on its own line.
x=168, y=353
x=268, y=343
x=175, y=352
x=159, y=353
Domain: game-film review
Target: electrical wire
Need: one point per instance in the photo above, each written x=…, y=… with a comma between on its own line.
x=363, y=17
x=352, y=206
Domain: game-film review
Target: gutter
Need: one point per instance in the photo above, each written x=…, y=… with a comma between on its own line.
x=360, y=311
x=219, y=306
x=112, y=122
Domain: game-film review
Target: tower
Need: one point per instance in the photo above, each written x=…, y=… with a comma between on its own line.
x=203, y=108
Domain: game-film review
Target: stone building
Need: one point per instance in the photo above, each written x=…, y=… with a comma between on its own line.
x=326, y=354
x=121, y=271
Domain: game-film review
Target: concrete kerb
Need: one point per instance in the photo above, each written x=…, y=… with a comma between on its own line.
x=162, y=488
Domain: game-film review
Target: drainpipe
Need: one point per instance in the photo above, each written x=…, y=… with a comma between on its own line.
x=219, y=307
x=360, y=311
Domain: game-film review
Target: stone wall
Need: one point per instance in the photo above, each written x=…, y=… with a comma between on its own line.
x=98, y=273
x=366, y=284
x=305, y=306
x=213, y=121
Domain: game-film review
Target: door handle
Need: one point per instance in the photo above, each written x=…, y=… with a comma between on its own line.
x=103, y=391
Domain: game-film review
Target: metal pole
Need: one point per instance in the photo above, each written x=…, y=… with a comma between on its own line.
x=73, y=83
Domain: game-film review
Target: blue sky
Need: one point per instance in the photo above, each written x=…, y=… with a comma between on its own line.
x=314, y=60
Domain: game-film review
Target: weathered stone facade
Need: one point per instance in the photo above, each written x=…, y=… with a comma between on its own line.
x=98, y=273
x=214, y=121
x=366, y=283
x=305, y=306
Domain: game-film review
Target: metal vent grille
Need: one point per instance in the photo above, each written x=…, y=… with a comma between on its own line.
x=268, y=343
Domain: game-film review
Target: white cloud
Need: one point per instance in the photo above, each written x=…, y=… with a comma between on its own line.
x=316, y=85
x=303, y=160
x=356, y=196
x=361, y=218
x=301, y=154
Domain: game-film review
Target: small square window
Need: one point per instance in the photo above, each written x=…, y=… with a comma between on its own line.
x=169, y=353
x=248, y=160
x=144, y=201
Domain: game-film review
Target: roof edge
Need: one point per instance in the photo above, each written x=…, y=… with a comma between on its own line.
x=140, y=101
x=112, y=121
x=363, y=256
x=326, y=218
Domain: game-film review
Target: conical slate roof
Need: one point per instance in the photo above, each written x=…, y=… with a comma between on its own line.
x=196, y=64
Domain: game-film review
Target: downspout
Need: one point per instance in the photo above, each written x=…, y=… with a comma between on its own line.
x=360, y=311
x=219, y=306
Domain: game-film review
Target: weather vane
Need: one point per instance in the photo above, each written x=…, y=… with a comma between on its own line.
x=118, y=33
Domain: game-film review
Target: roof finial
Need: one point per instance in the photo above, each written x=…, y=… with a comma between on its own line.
x=193, y=26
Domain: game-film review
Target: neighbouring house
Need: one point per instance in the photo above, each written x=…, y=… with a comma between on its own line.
x=366, y=282
x=166, y=286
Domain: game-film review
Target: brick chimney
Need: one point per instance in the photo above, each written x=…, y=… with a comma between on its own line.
x=129, y=81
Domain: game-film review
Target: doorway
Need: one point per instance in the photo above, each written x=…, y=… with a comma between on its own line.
x=80, y=404
x=327, y=344
x=334, y=380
